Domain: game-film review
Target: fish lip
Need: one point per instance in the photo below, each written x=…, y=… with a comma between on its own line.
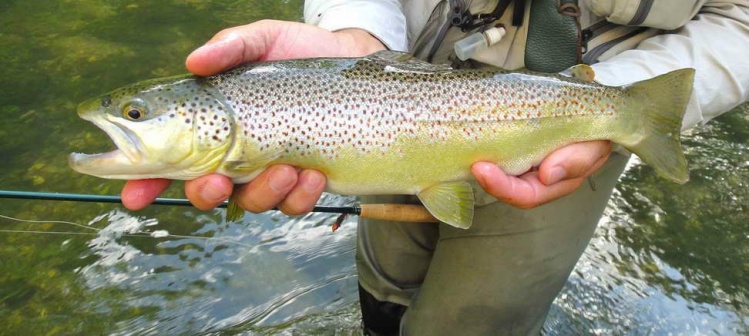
x=80, y=160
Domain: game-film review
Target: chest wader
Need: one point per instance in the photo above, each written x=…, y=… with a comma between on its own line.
x=555, y=42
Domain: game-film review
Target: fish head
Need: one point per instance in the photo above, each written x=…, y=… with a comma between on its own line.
x=176, y=128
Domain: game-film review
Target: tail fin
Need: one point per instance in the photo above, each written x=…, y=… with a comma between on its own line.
x=662, y=102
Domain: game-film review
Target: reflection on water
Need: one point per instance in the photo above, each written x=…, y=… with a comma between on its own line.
x=666, y=258
x=260, y=273
x=670, y=259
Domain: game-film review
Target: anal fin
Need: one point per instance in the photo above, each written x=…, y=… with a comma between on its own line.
x=450, y=202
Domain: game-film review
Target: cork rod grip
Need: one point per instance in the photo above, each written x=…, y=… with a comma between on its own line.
x=397, y=212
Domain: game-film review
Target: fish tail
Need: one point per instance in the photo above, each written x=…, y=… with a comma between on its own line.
x=661, y=102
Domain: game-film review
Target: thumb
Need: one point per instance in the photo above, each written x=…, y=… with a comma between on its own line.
x=577, y=160
x=216, y=56
x=234, y=46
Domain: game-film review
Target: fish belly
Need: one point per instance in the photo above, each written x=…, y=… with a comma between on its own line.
x=413, y=163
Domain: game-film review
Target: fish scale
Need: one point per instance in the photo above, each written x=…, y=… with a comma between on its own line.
x=382, y=124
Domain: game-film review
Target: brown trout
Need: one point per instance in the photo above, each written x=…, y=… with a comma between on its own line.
x=382, y=124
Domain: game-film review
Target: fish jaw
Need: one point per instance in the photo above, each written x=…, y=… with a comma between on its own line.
x=92, y=164
x=126, y=162
x=134, y=158
x=116, y=162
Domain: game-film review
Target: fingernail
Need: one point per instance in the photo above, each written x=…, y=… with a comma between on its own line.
x=213, y=44
x=281, y=181
x=556, y=174
x=313, y=183
x=212, y=193
x=484, y=168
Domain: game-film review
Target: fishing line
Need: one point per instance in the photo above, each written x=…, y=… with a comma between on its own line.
x=50, y=232
x=53, y=222
x=140, y=234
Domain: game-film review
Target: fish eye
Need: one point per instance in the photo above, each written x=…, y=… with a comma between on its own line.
x=134, y=111
x=134, y=114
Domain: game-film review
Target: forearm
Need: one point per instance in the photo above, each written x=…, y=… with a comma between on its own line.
x=715, y=43
x=384, y=19
x=365, y=42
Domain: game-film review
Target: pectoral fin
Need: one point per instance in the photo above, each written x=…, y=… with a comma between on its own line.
x=241, y=170
x=450, y=202
x=252, y=165
x=233, y=211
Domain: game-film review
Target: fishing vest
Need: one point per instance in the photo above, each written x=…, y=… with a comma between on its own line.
x=541, y=35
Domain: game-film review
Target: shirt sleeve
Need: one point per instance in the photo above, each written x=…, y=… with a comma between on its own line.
x=715, y=43
x=384, y=19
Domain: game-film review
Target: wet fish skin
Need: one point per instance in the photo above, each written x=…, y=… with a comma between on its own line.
x=382, y=124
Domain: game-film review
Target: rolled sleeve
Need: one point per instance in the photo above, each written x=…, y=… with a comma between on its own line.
x=384, y=19
x=714, y=43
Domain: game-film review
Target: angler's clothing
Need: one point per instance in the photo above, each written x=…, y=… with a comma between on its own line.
x=497, y=278
x=708, y=35
x=501, y=275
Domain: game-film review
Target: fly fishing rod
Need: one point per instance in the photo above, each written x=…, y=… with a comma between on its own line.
x=391, y=212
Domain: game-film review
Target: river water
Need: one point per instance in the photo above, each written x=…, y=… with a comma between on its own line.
x=666, y=259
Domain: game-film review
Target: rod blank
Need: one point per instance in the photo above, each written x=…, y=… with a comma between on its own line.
x=391, y=212
x=71, y=197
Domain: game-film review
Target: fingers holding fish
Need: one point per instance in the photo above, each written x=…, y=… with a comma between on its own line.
x=207, y=192
x=525, y=191
x=559, y=174
x=273, y=187
x=302, y=198
x=574, y=161
x=138, y=194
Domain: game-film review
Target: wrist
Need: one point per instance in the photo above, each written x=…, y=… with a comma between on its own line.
x=358, y=42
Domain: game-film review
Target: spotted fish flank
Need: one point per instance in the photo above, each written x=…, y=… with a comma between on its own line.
x=382, y=124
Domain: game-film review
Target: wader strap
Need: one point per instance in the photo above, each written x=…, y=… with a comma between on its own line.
x=457, y=17
x=518, y=13
x=555, y=40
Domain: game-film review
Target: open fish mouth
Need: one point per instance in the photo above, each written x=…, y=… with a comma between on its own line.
x=118, y=162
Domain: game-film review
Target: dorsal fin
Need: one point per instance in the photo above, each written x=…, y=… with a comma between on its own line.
x=581, y=72
x=397, y=61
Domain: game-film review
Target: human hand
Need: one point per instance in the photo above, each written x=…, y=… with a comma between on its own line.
x=293, y=192
x=559, y=174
